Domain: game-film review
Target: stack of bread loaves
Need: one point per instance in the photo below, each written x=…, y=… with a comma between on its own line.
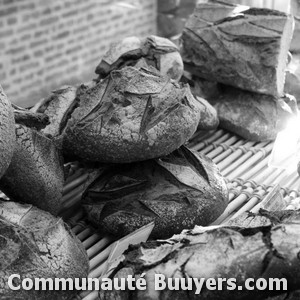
x=244, y=51
x=33, y=242
x=134, y=120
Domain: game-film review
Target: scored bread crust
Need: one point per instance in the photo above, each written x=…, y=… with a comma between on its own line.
x=175, y=192
x=132, y=115
x=35, y=244
x=264, y=251
x=7, y=132
x=155, y=51
x=253, y=116
x=56, y=107
x=237, y=45
x=35, y=174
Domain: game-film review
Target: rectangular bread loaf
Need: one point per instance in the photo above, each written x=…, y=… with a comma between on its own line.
x=237, y=45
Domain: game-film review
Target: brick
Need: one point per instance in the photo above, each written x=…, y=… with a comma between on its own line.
x=16, y=50
x=28, y=27
x=12, y=20
x=27, y=6
x=13, y=72
x=53, y=57
x=20, y=59
x=8, y=11
x=6, y=33
x=70, y=13
x=61, y=35
x=49, y=48
x=49, y=21
x=40, y=33
x=29, y=66
x=28, y=77
x=37, y=43
x=73, y=49
x=25, y=37
x=46, y=11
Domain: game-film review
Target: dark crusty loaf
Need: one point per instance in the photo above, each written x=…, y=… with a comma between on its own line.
x=34, y=244
x=57, y=106
x=237, y=45
x=7, y=132
x=176, y=192
x=253, y=116
x=203, y=89
x=132, y=115
x=230, y=252
x=155, y=51
x=208, y=115
x=35, y=174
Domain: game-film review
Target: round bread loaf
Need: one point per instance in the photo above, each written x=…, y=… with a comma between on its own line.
x=157, y=52
x=132, y=115
x=176, y=192
x=7, y=132
x=34, y=244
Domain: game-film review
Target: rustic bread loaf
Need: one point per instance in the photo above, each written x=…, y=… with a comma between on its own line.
x=57, y=107
x=34, y=244
x=237, y=45
x=158, y=52
x=208, y=115
x=203, y=89
x=35, y=174
x=253, y=116
x=270, y=251
x=7, y=132
x=176, y=192
x=132, y=115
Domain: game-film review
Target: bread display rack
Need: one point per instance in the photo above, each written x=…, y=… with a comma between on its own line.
x=243, y=163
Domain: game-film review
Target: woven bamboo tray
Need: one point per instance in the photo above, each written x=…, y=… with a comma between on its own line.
x=243, y=163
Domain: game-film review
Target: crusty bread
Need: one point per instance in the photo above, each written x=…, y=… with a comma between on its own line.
x=155, y=51
x=56, y=107
x=253, y=116
x=175, y=192
x=208, y=115
x=35, y=244
x=237, y=45
x=132, y=115
x=7, y=132
x=35, y=174
x=225, y=252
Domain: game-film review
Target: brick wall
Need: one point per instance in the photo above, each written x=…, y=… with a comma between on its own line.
x=45, y=44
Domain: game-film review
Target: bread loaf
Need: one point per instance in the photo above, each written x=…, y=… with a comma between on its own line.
x=224, y=252
x=58, y=106
x=35, y=174
x=34, y=244
x=237, y=45
x=201, y=90
x=7, y=132
x=253, y=116
x=176, y=192
x=158, y=52
x=132, y=115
